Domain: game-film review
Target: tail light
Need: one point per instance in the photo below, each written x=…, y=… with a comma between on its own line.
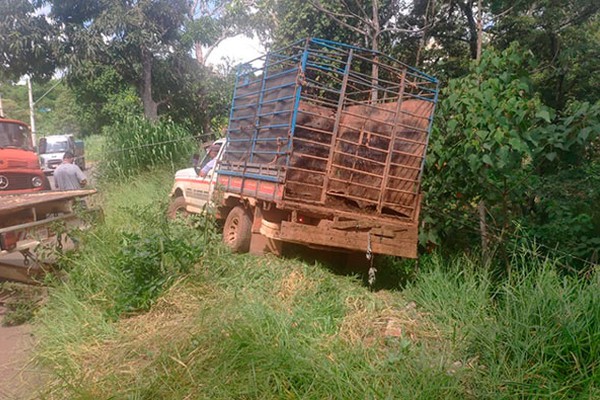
x=8, y=240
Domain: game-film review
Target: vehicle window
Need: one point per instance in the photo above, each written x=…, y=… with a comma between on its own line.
x=56, y=147
x=14, y=135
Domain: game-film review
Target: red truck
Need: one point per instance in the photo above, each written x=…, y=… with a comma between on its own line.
x=325, y=148
x=20, y=170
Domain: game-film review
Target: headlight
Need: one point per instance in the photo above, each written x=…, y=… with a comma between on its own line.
x=36, y=181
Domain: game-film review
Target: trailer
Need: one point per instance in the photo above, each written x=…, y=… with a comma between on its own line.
x=28, y=221
x=325, y=148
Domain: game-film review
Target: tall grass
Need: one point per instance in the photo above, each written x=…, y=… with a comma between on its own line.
x=136, y=145
x=535, y=335
x=154, y=309
x=93, y=148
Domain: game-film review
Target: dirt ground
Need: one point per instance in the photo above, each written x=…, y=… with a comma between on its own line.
x=18, y=377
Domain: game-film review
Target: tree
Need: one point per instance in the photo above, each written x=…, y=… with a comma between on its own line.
x=563, y=36
x=495, y=141
x=26, y=44
x=133, y=37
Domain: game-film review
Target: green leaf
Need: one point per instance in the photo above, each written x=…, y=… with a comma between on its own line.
x=451, y=125
x=487, y=159
x=517, y=144
x=543, y=114
x=551, y=156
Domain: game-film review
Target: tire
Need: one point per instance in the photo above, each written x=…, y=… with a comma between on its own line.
x=177, y=208
x=237, y=230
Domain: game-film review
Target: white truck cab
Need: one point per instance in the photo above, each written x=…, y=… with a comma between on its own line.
x=192, y=192
x=52, y=148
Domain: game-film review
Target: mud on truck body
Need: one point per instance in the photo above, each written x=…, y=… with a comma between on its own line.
x=325, y=147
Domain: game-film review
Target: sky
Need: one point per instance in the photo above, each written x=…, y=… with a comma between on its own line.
x=238, y=49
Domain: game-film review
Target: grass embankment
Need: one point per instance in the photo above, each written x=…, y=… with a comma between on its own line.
x=159, y=310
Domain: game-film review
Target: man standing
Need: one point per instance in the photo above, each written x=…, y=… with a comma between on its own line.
x=68, y=176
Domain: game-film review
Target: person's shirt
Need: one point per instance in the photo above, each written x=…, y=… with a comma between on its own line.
x=209, y=165
x=68, y=177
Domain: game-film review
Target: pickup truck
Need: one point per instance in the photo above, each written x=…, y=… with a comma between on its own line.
x=325, y=148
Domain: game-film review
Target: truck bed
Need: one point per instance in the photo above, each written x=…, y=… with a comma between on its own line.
x=10, y=204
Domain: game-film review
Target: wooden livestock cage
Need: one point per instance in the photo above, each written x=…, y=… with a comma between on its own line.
x=332, y=125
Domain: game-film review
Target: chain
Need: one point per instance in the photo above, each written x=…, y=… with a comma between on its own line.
x=372, y=269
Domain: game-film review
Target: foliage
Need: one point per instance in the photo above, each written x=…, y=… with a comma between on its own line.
x=482, y=145
x=54, y=110
x=26, y=45
x=546, y=328
x=199, y=96
x=136, y=145
x=210, y=22
x=103, y=97
x=565, y=215
x=562, y=36
x=496, y=143
x=131, y=37
x=149, y=263
x=20, y=301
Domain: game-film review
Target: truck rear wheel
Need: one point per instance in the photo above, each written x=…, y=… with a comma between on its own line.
x=237, y=230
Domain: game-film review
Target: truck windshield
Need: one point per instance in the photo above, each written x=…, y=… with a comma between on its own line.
x=14, y=135
x=56, y=147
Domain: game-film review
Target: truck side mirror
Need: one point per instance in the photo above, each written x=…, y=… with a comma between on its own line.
x=42, y=145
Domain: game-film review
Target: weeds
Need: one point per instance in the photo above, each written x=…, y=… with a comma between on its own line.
x=203, y=323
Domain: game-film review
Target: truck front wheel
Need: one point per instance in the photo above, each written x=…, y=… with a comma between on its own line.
x=177, y=208
x=237, y=230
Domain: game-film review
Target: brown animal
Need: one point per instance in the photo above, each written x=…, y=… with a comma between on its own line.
x=368, y=137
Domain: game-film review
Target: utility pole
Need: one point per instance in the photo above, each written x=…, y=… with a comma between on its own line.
x=1, y=109
x=32, y=117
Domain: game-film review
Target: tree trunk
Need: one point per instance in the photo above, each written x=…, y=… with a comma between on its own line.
x=479, y=29
x=467, y=9
x=484, y=234
x=430, y=9
x=199, y=53
x=150, y=106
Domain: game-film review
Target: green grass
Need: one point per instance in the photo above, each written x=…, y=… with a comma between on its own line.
x=154, y=309
x=93, y=148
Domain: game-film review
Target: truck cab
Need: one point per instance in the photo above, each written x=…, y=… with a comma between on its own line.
x=20, y=170
x=192, y=192
x=52, y=149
